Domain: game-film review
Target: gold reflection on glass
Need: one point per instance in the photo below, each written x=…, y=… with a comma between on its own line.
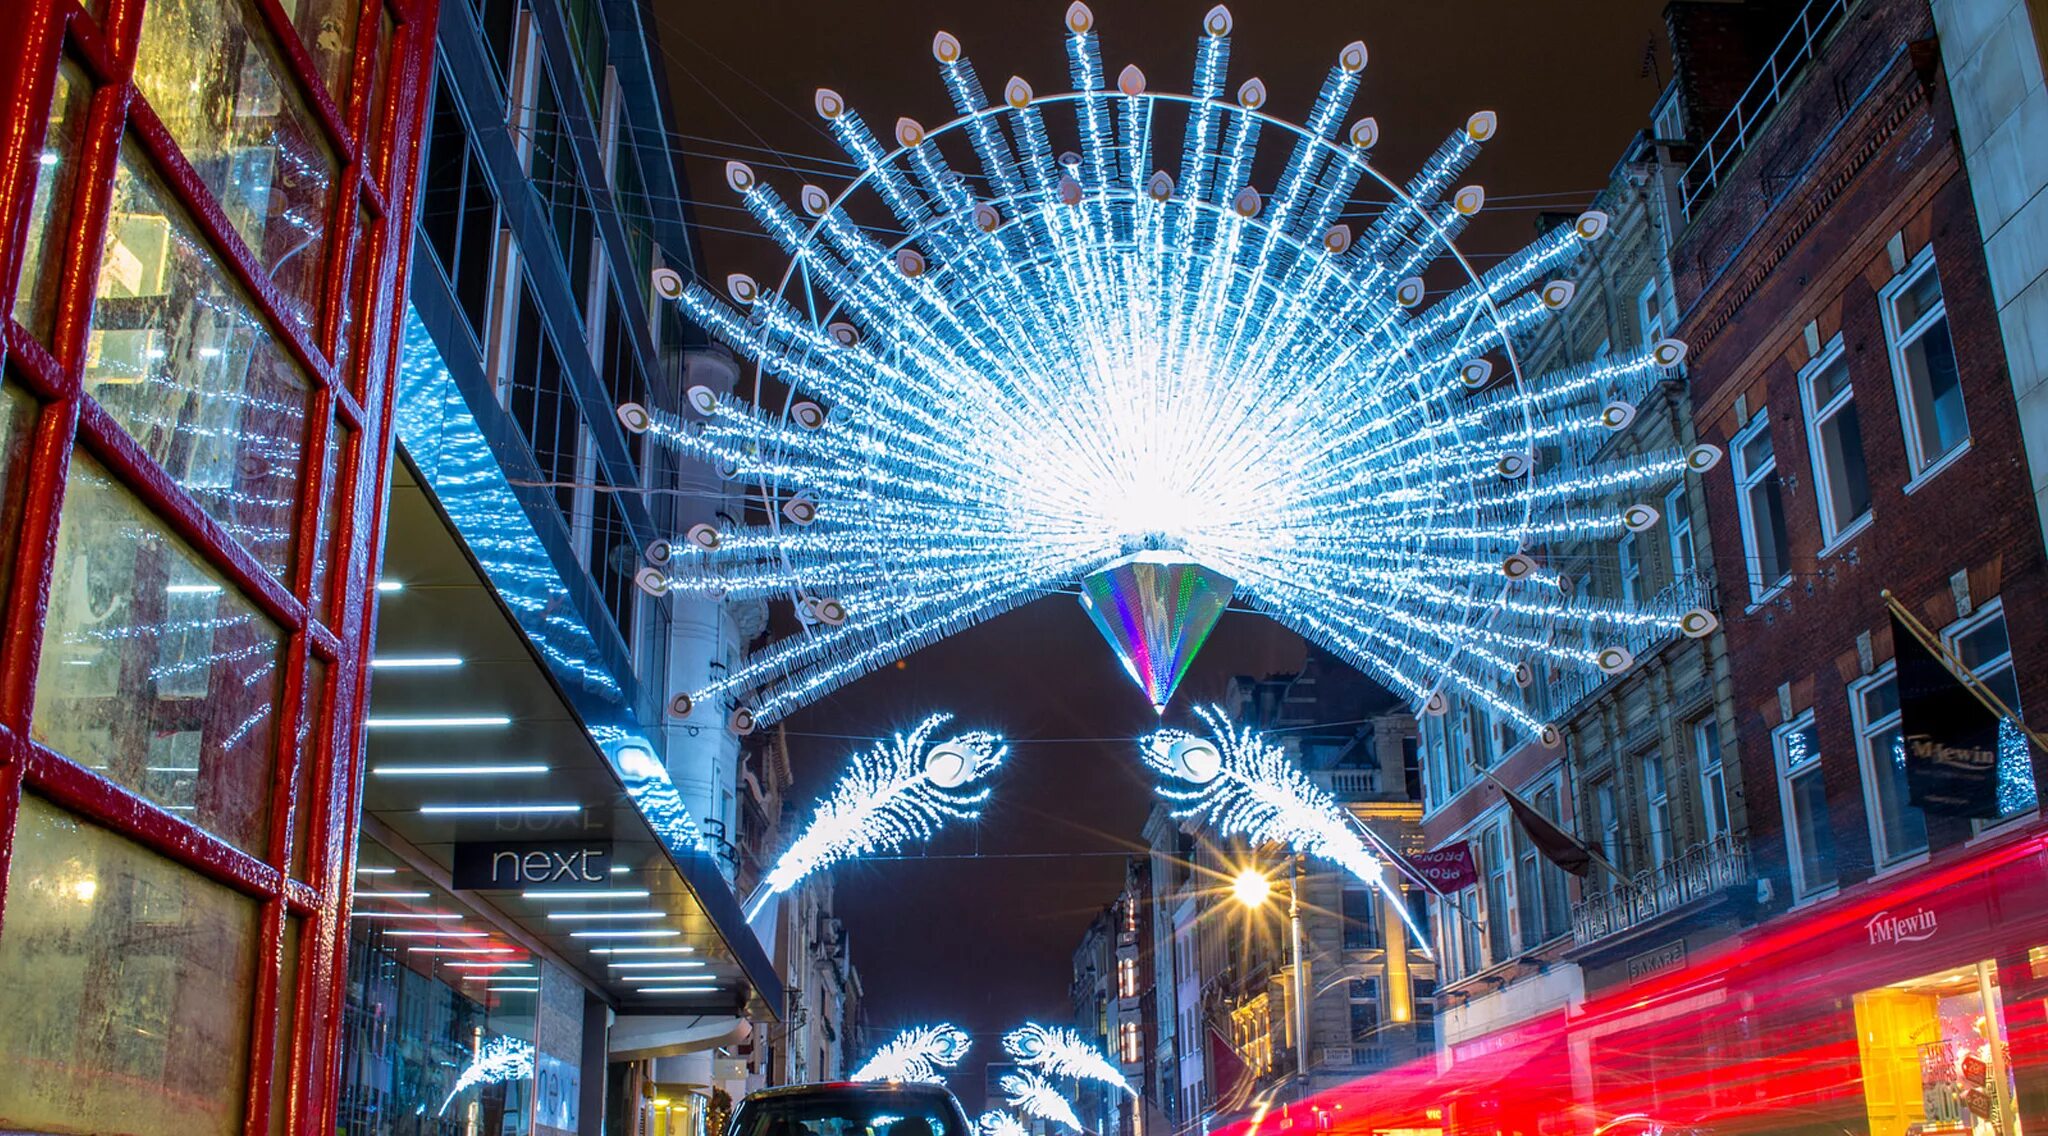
x=42, y=256
x=328, y=30
x=155, y=672
x=17, y=419
x=182, y=361
x=211, y=75
x=127, y=984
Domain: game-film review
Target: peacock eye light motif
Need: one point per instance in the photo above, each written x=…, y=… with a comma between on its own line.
x=1074, y=367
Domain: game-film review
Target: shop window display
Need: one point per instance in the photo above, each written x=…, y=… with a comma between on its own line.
x=1936, y=1059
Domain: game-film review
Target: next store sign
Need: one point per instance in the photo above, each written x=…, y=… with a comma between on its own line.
x=555, y=863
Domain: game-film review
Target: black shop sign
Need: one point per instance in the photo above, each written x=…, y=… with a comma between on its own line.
x=560, y=863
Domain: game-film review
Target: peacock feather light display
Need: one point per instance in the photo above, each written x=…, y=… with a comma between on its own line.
x=1033, y=1095
x=903, y=789
x=1068, y=367
x=1060, y=1052
x=917, y=1054
x=1240, y=783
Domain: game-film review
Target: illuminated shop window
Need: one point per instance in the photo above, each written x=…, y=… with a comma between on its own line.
x=1934, y=1050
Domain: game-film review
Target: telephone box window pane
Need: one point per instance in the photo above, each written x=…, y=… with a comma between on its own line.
x=209, y=74
x=127, y=980
x=179, y=357
x=281, y=1082
x=313, y=733
x=327, y=28
x=155, y=671
x=17, y=420
x=56, y=173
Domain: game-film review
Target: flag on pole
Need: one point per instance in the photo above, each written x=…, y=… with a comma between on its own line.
x=1555, y=843
x=1950, y=736
x=1444, y=870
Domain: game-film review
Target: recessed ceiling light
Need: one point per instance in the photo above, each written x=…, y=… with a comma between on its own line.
x=677, y=990
x=623, y=933
x=394, y=895
x=592, y=916
x=390, y=585
x=691, y=978
x=486, y=810
x=449, y=722
x=457, y=770
x=591, y=893
x=643, y=950
x=403, y=915
x=657, y=963
x=415, y=662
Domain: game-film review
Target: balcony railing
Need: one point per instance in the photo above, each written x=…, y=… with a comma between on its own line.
x=1725, y=146
x=1366, y=1056
x=1349, y=783
x=1700, y=871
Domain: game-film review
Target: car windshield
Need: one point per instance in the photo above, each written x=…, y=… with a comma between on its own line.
x=849, y=1113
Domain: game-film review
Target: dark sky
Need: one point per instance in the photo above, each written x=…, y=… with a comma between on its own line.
x=986, y=942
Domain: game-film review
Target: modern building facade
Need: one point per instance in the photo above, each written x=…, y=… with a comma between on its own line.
x=204, y=229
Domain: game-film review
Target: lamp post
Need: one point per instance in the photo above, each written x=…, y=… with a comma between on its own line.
x=1253, y=889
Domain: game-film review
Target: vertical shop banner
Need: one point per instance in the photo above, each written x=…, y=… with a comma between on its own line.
x=1446, y=869
x=1950, y=738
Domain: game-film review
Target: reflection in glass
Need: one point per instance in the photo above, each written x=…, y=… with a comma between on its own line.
x=35, y=294
x=127, y=982
x=182, y=361
x=154, y=671
x=328, y=29
x=17, y=421
x=210, y=75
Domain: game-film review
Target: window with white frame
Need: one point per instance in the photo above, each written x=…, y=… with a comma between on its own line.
x=1127, y=978
x=1834, y=440
x=1809, y=839
x=1678, y=527
x=1494, y=873
x=1656, y=809
x=1631, y=568
x=1130, y=1044
x=1358, y=907
x=1650, y=313
x=1669, y=125
x=1706, y=752
x=1539, y=884
x=1365, y=1010
x=1760, y=502
x=1464, y=926
x=1980, y=643
x=1897, y=829
x=1924, y=364
x=1607, y=819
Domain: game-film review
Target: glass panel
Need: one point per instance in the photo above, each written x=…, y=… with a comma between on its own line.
x=42, y=258
x=354, y=300
x=154, y=671
x=1937, y=392
x=1920, y=297
x=324, y=550
x=207, y=73
x=127, y=981
x=17, y=421
x=181, y=360
x=1756, y=451
x=1848, y=482
x=1815, y=839
x=327, y=28
x=380, y=98
x=1767, y=525
x=281, y=1085
x=314, y=734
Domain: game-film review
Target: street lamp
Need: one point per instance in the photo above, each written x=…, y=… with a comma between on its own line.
x=1252, y=888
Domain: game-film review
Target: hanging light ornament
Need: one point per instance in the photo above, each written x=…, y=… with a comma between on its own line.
x=916, y=1055
x=1033, y=1095
x=1060, y=1052
x=1075, y=357
x=902, y=790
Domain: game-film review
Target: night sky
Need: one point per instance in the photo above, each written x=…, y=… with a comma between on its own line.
x=981, y=930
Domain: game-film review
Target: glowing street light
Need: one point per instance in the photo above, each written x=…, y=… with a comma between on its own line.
x=1253, y=888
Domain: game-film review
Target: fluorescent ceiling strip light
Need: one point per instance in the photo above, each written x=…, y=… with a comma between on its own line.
x=416, y=662
x=394, y=895
x=487, y=810
x=457, y=770
x=436, y=934
x=620, y=869
x=676, y=990
x=514, y=989
x=623, y=933
x=404, y=915
x=376, y=871
x=391, y=585
x=692, y=978
x=658, y=963
x=463, y=950
x=643, y=950
x=192, y=589
x=508, y=964
x=592, y=893
x=455, y=721
x=596, y=915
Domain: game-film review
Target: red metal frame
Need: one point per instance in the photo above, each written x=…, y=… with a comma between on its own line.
x=317, y=763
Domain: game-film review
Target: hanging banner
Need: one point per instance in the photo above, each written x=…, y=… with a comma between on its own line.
x=1448, y=868
x=1950, y=738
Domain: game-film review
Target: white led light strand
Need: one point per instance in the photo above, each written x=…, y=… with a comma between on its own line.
x=1033, y=1095
x=1069, y=358
x=916, y=1055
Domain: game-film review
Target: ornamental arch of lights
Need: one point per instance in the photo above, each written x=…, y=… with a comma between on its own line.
x=1125, y=369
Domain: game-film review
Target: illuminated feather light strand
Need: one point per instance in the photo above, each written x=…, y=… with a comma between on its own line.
x=917, y=1055
x=1060, y=1052
x=996, y=1122
x=902, y=790
x=1241, y=784
x=498, y=1059
x=1033, y=1095
x=1094, y=358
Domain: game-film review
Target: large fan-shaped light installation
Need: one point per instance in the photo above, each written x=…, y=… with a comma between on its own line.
x=1033, y=1095
x=1064, y=358
x=903, y=789
x=916, y=1055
